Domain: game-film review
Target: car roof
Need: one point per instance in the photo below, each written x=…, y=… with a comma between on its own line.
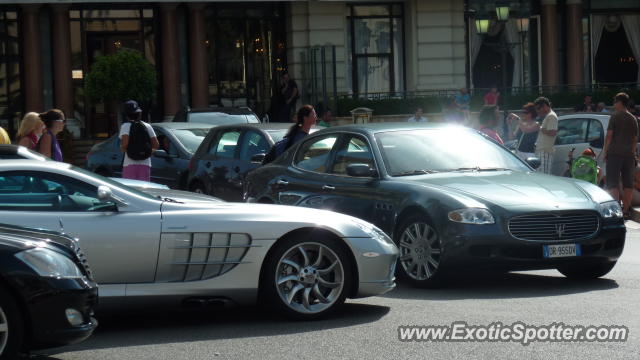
x=223, y=109
x=263, y=126
x=182, y=125
x=387, y=126
x=599, y=116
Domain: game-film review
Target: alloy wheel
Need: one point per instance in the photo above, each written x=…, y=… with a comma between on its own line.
x=309, y=278
x=4, y=331
x=420, y=251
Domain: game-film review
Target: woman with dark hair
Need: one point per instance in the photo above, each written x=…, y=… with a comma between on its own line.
x=488, y=119
x=48, y=144
x=305, y=118
x=527, y=131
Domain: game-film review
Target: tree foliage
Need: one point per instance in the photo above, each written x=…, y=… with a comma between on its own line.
x=122, y=76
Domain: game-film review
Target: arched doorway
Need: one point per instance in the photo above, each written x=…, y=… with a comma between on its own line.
x=614, y=61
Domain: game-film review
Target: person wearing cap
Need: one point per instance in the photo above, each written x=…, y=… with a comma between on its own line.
x=135, y=169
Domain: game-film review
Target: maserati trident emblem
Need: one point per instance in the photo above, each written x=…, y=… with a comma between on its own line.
x=560, y=230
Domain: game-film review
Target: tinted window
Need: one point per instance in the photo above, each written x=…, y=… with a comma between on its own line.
x=37, y=191
x=217, y=118
x=253, y=143
x=227, y=144
x=572, y=131
x=190, y=138
x=405, y=152
x=596, y=132
x=355, y=151
x=313, y=155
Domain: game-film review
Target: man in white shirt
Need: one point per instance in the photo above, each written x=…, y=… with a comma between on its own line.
x=547, y=135
x=417, y=117
x=136, y=169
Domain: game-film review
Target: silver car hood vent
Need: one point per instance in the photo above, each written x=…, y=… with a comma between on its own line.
x=199, y=256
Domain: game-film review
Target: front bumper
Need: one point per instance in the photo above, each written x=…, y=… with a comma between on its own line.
x=492, y=248
x=376, y=263
x=47, y=300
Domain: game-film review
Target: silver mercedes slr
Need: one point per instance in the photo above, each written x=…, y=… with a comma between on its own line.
x=302, y=262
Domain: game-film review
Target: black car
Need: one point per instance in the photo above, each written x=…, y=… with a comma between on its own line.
x=217, y=115
x=450, y=198
x=169, y=164
x=228, y=153
x=47, y=293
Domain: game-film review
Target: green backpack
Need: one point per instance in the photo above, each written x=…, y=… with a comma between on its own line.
x=585, y=168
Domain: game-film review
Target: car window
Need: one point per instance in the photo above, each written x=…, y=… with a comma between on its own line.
x=253, y=143
x=166, y=144
x=354, y=151
x=40, y=191
x=190, y=138
x=313, y=155
x=596, y=132
x=572, y=131
x=226, y=145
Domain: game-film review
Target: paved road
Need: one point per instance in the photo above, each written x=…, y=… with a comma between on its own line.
x=367, y=328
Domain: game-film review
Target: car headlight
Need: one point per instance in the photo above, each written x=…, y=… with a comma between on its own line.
x=475, y=216
x=49, y=263
x=610, y=210
x=374, y=232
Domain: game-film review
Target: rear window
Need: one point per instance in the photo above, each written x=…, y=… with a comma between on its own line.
x=218, y=118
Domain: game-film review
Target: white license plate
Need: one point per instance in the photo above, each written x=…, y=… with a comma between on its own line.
x=564, y=250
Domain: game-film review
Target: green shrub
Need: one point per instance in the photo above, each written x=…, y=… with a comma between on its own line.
x=122, y=76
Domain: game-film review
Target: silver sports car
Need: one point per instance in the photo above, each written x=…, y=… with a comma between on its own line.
x=303, y=262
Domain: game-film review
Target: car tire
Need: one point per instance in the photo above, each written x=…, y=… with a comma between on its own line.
x=11, y=326
x=307, y=278
x=587, y=271
x=198, y=188
x=420, y=260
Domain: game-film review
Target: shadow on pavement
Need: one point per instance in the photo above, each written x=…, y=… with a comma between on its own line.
x=163, y=326
x=501, y=286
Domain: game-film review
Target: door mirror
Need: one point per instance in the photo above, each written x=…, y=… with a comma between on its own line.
x=105, y=195
x=361, y=170
x=534, y=162
x=257, y=158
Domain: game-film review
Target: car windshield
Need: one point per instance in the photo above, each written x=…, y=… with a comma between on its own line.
x=219, y=118
x=441, y=150
x=191, y=138
x=113, y=183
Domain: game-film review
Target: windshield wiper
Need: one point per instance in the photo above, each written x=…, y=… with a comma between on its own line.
x=477, y=168
x=416, y=172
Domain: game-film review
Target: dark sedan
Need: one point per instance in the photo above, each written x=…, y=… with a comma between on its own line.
x=169, y=164
x=449, y=198
x=223, y=159
x=47, y=294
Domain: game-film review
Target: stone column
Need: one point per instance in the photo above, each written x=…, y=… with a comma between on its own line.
x=575, y=54
x=198, y=69
x=33, y=88
x=61, y=41
x=170, y=59
x=550, y=68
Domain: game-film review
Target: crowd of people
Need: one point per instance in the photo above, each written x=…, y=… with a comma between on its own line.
x=38, y=132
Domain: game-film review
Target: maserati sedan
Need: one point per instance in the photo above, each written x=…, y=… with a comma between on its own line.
x=450, y=198
x=142, y=247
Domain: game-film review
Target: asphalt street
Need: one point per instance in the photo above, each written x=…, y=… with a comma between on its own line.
x=368, y=328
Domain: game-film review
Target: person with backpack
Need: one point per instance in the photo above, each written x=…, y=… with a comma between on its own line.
x=138, y=141
x=305, y=118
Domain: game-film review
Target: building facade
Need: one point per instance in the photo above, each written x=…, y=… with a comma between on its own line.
x=232, y=53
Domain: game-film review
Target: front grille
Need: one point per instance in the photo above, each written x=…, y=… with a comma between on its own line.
x=83, y=261
x=554, y=226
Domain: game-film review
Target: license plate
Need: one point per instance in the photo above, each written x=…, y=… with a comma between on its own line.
x=564, y=250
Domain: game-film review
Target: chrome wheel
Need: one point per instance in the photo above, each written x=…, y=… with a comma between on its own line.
x=420, y=251
x=4, y=331
x=309, y=278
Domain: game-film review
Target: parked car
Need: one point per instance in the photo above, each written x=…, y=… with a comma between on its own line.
x=223, y=159
x=303, y=262
x=169, y=164
x=449, y=198
x=8, y=152
x=47, y=294
x=217, y=115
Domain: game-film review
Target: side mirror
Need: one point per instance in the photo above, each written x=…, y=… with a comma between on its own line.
x=257, y=158
x=534, y=162
x=105, y=195
x=597, y=143
x=361, y=170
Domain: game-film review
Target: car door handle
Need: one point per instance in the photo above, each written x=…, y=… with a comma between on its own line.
x=282, y=183
x=328, y=187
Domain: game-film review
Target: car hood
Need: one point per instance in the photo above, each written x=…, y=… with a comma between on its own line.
x=514, y=189
x=270, y=221
x=180, y=195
